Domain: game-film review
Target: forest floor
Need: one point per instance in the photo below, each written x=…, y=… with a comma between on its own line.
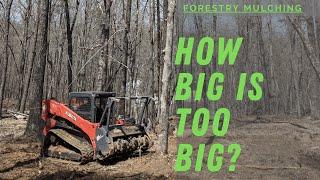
x=273, y=147
x=19, y=159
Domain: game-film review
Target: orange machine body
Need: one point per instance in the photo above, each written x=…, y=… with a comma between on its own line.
x=51, y=109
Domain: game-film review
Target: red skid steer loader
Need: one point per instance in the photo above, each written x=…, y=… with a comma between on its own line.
x=92, y=128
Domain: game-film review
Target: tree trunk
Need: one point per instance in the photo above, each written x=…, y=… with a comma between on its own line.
x=84, y=52
x=69, y=28
x=265, y=64
x=24, y=53
x=274, y=87
x=102, y=74
x=108, y=84
x=313, y=58
x=152, y=59
x=164, y=98
x=6, y=54
x=158, y=54
x=151, y=42
x=34, y=121
x=126, y=55
x=132, y=58
x=26, y=83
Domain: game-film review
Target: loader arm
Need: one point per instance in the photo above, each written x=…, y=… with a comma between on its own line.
x=52, y=109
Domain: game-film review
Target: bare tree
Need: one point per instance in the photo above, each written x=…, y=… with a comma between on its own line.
x=27, y=80
x=70, y=27
x=6, y=53
x=85, y=34
x=24, y=48
x=126, y=54
x=102, y=74
x=33, y=125
x=151, y=41
x=164, y=98
x=158, y=48
x=311, y=53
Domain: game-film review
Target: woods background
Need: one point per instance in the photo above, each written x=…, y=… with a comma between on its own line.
x=123, y=46
x=92, y=45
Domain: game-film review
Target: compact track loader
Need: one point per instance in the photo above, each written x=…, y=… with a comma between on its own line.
x=91, y=128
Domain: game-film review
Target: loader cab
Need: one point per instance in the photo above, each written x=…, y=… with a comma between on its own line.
x=90, y=104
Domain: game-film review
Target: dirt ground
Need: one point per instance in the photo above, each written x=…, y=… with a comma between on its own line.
x=19, y=159
x=272, y=148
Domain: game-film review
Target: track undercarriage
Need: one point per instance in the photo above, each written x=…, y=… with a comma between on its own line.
x=61, y=144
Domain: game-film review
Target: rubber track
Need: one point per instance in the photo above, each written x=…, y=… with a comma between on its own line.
x=83, y=146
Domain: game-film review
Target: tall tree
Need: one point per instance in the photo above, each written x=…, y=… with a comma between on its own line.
x=70, y=28
x=6, y=53
x=83, y=41
x=151, y=42
x=312, y=55
x=265, y=61
x=294, y=88
x=102, y=74
x=24, y=49
x=33, y=125
x=164, y=98
x=309, y=48
x=27, y=78
x=159, y=51
x=126, y=54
